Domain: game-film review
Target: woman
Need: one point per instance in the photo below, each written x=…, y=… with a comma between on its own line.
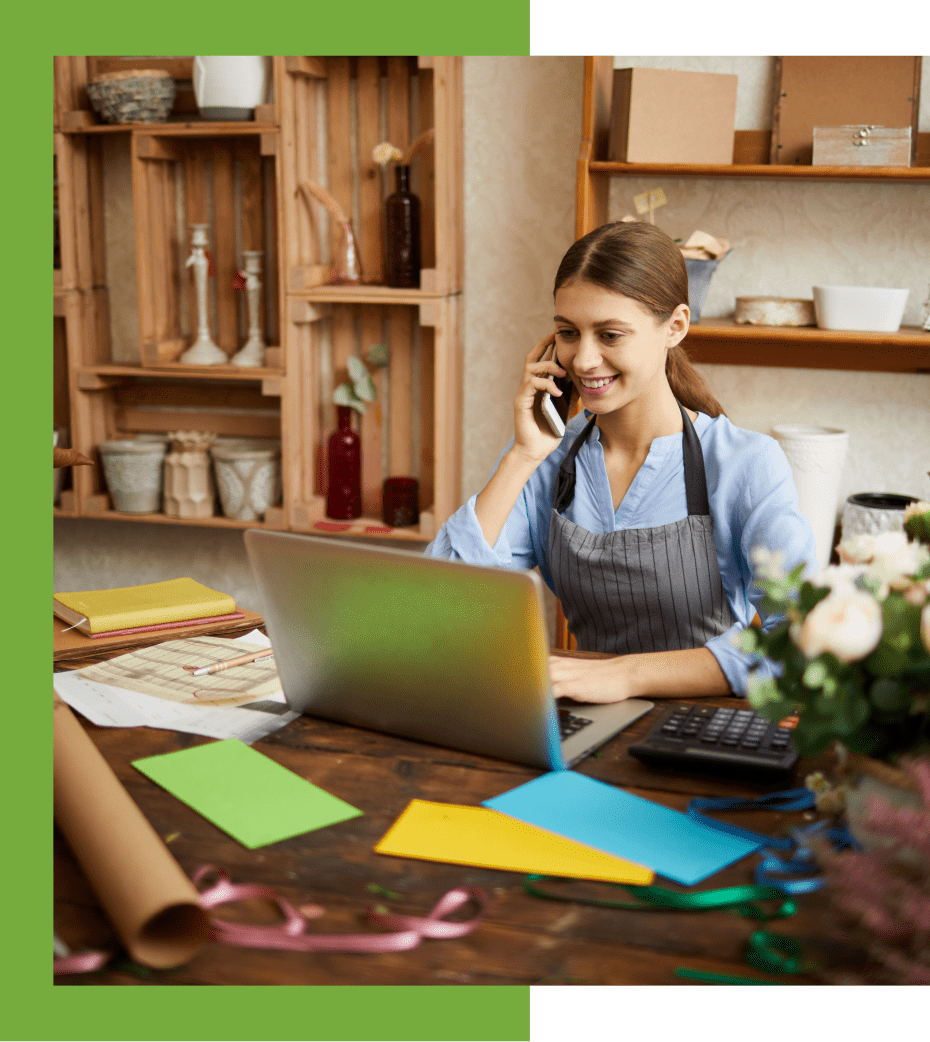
x=644, y=518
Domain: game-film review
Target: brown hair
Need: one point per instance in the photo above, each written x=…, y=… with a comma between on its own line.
x=641, y=262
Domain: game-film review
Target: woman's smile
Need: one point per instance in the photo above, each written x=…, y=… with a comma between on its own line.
x=595, y=387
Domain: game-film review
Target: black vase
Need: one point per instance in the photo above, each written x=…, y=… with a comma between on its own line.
x=402, y=268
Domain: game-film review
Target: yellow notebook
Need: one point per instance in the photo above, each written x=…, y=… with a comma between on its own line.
x=151, y=604
x=485, y=837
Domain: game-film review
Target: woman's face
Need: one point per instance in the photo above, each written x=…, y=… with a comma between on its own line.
x=611, y=346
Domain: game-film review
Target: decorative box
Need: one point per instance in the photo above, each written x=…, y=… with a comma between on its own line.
x=862, y=146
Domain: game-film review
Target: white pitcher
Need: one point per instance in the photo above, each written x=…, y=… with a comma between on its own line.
x=229, y=88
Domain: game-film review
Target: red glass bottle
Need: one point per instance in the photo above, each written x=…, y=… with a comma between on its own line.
x=344, y=470
x=402, y=210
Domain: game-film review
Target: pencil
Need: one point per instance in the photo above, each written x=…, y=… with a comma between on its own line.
x=240, y=660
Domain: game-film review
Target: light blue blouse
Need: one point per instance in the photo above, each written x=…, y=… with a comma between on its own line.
x=753, y=503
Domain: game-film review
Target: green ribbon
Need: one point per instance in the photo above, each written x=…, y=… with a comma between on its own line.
x=653, y=898
x=765, y=951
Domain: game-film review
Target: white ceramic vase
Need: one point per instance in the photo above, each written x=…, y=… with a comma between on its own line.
x=229, y=87
x=133, y=470
x=817, y=456
x=248, y=476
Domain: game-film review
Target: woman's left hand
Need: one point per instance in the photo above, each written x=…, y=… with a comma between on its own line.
x=589, y=679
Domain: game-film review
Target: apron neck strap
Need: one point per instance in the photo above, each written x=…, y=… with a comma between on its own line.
x=565, y=484
x=695, y=477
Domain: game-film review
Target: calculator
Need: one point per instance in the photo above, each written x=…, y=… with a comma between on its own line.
x=725, y=741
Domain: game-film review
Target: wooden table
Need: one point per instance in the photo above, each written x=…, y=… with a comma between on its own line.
x=522, y=940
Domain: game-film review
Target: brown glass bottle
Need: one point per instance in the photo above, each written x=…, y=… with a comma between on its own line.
x=402, y=208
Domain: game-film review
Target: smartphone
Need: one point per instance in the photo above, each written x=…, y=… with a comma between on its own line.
x=555, y=415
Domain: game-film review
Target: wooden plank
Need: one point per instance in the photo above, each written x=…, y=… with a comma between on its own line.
x=448, y=408
x=64, y=149
x=304, y=65
x=427, y=416
x=305, y=247
x=97, y=229
x=400, y=340
x=339, y=133
x=426, y=163
x=273, y=302
x=225, y=261
x=144, y=264
x=371, y=332
x=81, y=196
x=751, y=146
x=172, y=271
x=76, y=120
x=157, y=146
x=159, y=250
x=591, y=193
x=162, y=421
x=398, y=102
x=199, y=395
x=371, y=217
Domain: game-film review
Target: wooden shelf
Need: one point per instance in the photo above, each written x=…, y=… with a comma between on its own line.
x=365, y=294
x=185, y=129
x=162, y=519
x=722, y=341
x=765, y=170
x=184, y=372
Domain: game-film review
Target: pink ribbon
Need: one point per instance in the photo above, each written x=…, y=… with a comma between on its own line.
x=289, y=934
x=86, y=962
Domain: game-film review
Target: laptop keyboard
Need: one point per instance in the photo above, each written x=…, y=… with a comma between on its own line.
x=570, y=724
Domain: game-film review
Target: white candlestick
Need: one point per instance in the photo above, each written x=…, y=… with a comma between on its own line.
x=203, y=351
x=252, y=351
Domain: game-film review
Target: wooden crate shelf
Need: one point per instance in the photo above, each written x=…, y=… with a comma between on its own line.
x=226, y=183
x=241, y=179
x=411, y=429
x=354, y=96
x=108, y=514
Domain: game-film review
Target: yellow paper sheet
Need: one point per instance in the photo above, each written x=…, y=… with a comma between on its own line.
x=484, y=837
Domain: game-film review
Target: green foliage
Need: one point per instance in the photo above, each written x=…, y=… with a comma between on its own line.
x=361, y=390
x=918, y=528
x=873, y=706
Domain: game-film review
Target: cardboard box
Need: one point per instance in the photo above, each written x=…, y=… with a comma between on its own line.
x=861, y=145
x=668, y=116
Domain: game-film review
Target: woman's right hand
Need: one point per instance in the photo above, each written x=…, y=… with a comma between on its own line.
x=533, y=437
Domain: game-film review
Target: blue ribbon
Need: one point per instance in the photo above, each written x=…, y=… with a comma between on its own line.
x=801, y=861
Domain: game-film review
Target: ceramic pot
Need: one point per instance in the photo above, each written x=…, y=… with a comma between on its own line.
x=133, y=470
x=229, y=88
x=871, y=513
x=816, y=455
x=248, y=475
x=189, y=487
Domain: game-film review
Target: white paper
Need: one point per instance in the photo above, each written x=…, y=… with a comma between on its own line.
x=109, y=706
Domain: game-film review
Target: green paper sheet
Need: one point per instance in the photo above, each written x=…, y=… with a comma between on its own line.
x=246, y=794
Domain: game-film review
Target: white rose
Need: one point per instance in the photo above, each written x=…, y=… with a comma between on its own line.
x=838, y=577
x=856, y=549
x=896, y=558
x=847, y=623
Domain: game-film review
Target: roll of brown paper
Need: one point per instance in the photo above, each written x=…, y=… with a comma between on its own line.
x=151, y=903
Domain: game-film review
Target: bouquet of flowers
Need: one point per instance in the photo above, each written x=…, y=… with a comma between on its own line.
x=852, y=653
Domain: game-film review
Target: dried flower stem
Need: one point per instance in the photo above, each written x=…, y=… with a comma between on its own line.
x=312, y=191
x=419, y=143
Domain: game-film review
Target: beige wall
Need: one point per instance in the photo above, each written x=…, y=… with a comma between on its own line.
x=522, y=125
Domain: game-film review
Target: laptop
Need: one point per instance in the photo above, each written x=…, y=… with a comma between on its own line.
x=439, y=651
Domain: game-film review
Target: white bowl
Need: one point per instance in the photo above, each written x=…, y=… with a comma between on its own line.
x=870, y=309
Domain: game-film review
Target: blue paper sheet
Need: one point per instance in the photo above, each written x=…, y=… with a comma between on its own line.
x=609, y=819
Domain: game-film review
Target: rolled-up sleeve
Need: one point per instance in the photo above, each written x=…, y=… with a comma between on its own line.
x=764, y=514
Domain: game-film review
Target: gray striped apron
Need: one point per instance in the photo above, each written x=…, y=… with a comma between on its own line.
x=639, y=589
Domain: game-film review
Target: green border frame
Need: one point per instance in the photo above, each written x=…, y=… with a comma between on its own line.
x=39, y=1010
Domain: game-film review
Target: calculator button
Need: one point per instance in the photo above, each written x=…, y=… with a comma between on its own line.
x=750, y=743
x=729, y=739
x=709, y=738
